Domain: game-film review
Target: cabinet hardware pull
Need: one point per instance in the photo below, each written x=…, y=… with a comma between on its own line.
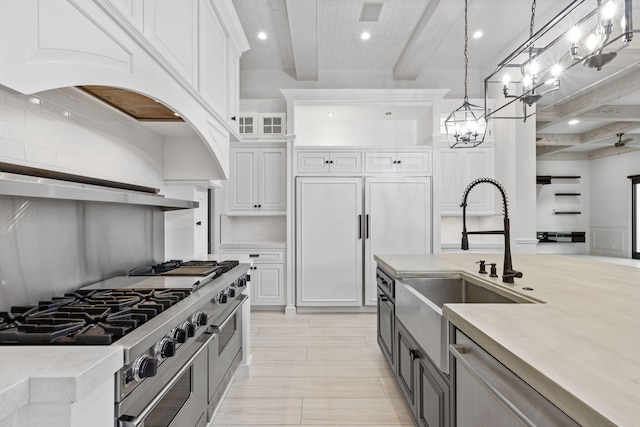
x=199, y=223
x=359, y=226
x=233, y=118
x=366, y=226
x=254, y=255
x=457, y=351
x=383, y=298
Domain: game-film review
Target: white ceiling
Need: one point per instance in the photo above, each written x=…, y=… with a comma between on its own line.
x=414, y=36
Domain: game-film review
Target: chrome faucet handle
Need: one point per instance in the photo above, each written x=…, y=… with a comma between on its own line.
x=482, y=267
x=494, y=270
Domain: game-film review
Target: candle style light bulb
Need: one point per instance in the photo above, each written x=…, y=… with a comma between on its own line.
x=534, y=68
x=574, y=35
x=556, y=70
x=608, y=10
x=592, y=42
x=506, y=79
x=527, y=81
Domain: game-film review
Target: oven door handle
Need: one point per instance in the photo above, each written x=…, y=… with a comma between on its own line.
x=129, y=421
x=242, y=299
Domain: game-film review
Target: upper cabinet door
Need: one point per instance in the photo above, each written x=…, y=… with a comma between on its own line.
x=380, y=162
x=242, y=184
x=272, y=179
x=214, y=57
x=172, y=28
x=413, y=162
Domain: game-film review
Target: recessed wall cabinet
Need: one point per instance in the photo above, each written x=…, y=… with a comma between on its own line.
x=272, y=125
x=267, y=275
x=258, y=179
x=397, y=162
x=487, y=393
x=458, y=168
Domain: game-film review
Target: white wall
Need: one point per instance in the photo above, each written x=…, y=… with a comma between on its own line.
x=548, y=202
x=70, y=131
x=610, y=203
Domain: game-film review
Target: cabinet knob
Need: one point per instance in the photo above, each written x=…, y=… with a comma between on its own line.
x=233, y=118
x=394, y=162
x=399, y=161
x=331, y=161
x=326, y=162
x=259, y=206
x=199, y=223
x=255, y=206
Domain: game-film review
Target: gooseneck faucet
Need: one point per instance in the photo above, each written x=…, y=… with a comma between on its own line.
x=508, y=273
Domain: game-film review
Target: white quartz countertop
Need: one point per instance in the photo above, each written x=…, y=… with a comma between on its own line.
x=579, y=346
x=46, y=374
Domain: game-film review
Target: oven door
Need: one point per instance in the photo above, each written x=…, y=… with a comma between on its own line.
x=181, y=401
x=225, y=352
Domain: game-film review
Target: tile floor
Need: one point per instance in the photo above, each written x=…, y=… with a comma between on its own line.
x=312, y=370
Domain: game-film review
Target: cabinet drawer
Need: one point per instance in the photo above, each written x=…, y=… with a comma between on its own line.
x=257, y=255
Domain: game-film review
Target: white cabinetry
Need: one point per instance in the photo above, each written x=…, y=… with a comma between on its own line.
x=272, y=125
x=397, y=221
x=248, y=125
x=329, y=241
x=267, y=275
x=186, y=231
x=406, y=162
x=325, y=162
x=339, y=231
x=258, y=179
x=458, y=168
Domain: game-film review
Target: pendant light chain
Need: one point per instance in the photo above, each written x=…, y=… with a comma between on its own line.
x=466, y=55
x=531, y=24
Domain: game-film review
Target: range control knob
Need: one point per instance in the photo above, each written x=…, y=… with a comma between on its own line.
x=165, y=348
x=232, y=292
x=144, y=367
x=222, y=298
x=189, y=327
x=179, y=335
x=200, y=318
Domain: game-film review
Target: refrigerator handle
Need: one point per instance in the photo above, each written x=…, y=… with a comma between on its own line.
x=366, y=235
x=359, y=226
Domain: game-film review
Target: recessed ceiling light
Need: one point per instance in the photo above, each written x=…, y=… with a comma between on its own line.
x=573, y=122
x=34, y=100
x=262, y=35
x=330, y=113
x=365, y=35
x=477, y=34
x=176, y=114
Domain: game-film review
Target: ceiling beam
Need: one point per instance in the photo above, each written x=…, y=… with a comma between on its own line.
x=558, y=139
x=608, y=131
x=605, y=93
x=613, y=112
x=437, y=18
x=610, y=151
x=303, y=25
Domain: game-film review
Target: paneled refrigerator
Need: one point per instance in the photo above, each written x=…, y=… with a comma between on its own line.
x=341, y=223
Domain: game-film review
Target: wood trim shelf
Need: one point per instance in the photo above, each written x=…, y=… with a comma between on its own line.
x=567, y=194
x=567, y=212
x=546, y=179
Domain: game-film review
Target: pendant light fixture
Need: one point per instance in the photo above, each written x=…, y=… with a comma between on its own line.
x=466, y=126
x=586, y=32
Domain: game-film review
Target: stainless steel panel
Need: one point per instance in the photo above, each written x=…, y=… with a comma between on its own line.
x=51, y=246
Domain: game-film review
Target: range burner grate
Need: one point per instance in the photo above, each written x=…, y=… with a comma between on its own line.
x=93, y=317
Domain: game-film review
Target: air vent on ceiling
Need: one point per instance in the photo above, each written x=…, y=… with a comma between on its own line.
x=370, y=11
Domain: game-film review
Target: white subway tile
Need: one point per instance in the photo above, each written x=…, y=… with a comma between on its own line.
x=41, y=123
x=11, y=149
x=18, y=132
x=24, y=102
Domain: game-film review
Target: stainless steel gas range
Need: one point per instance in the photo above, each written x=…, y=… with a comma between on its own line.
x=181, y=335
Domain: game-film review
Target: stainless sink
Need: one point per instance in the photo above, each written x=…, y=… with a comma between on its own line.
x=419, y=307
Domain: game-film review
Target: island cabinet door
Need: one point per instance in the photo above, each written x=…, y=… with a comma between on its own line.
x=489, y=394
x=405, y=366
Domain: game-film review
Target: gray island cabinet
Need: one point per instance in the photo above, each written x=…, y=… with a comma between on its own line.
x=561, y=353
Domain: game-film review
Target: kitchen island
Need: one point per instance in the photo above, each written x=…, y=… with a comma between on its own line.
x=577, y=345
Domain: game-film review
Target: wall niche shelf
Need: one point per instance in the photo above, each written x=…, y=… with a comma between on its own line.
x=567, y=212
x=546, y=179
x=567, y=194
